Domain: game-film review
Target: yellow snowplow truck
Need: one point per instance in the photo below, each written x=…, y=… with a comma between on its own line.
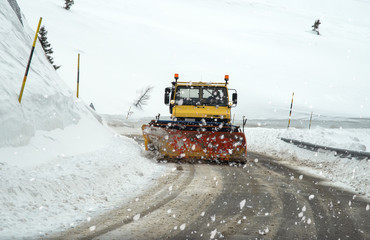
x=200, y=127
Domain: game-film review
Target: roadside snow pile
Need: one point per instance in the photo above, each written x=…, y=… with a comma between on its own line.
x=58, y=165
x=349, y=139
x=351, y=173
x=41, y=193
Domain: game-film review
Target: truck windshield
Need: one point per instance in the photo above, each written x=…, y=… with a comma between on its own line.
x=201, y=95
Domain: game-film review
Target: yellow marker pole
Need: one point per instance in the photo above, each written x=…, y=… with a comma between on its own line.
x=290, y=113
x=29, y=62
x=78, y=75
x=309, y=127
x=145, y=137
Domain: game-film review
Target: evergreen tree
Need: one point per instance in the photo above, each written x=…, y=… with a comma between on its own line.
x=46, y=46
x=68, y=4
x=315, y=26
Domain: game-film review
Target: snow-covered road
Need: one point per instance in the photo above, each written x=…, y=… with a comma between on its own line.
x=260, y=198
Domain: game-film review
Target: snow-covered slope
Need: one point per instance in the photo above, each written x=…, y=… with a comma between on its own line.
x=47, y=102
x=266, y=46
x=58, y=165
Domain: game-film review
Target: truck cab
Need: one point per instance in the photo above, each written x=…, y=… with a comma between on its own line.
x=194, y=101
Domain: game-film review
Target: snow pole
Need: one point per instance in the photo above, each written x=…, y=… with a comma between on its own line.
x=78, y=75
x=244, y=122
x=290, y=113
x=29, y=62
x=128, y=113
x=309, y=127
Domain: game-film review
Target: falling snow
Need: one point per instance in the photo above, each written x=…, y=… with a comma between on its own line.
x=182, y=227
x=136, y=217
x=242, y=203
x=264, y=231
x=213, y=234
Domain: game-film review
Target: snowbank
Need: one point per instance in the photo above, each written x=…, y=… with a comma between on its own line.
x=62, y=178
x=351, y=173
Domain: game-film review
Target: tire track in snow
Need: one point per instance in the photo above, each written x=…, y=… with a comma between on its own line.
x=151, y=200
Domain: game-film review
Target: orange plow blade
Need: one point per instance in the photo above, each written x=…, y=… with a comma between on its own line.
x=191, y=141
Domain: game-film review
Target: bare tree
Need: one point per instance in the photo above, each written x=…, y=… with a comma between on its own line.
x=143, y=97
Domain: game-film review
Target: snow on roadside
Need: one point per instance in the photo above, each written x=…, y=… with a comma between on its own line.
x=58, y=165
x=349, y=139
x=62, y=186
x=352, y=174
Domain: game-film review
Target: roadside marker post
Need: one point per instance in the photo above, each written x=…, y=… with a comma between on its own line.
x=290, y=113
x=309, y=127
x=29, y=61
x=78, y=75
x=128, y=113
x=244, y=122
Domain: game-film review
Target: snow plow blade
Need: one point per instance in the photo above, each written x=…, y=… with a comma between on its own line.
x=195, y=141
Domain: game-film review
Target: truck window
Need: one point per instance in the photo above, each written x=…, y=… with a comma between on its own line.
x=187, y=96
x=215, y=96
x=201, y=95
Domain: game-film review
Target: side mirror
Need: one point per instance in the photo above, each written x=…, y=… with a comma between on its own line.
x=167, y=92
x=235, y=98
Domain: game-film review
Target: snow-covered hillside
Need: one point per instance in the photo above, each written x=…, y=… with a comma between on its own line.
x=266, y=46
x=58, y=164
x=47, y=103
